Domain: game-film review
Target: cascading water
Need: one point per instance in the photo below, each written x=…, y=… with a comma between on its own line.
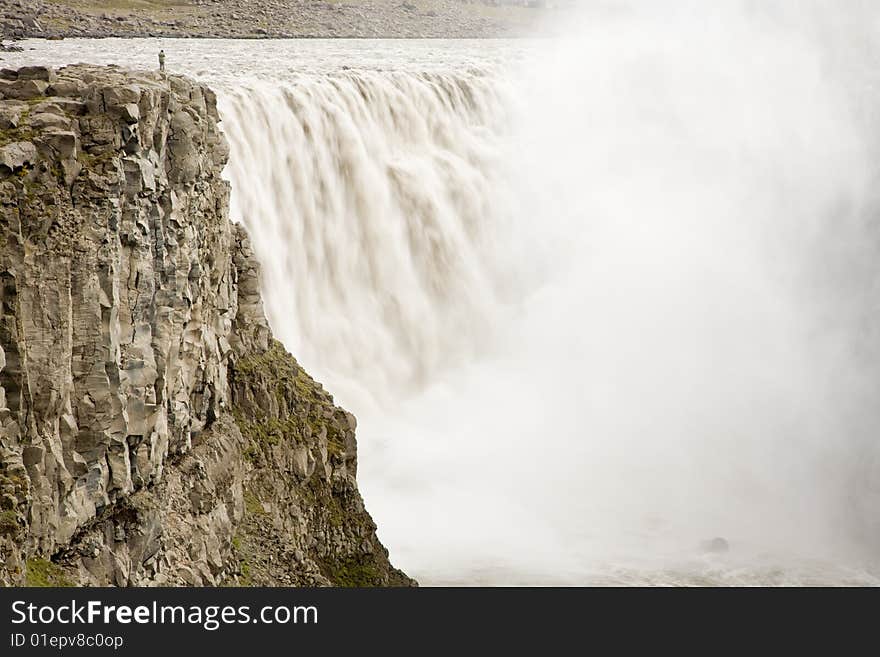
x=377, y=202
x=664, y=382
x=669, y=373
x=593, y=300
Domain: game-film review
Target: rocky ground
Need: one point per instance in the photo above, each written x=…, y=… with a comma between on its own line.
x=151, y=429
x=267, y=18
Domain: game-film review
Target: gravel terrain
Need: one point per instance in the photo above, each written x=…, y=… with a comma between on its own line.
x=267, y=18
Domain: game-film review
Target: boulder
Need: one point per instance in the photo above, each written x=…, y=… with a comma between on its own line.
x=121, y=95
x=10, y=114
x=43, y=73
x=129, y=113
x=56, y=105
x=24, y=89
x=16, y=155
x=44, y=120
x=66, y=87
x=61, y=144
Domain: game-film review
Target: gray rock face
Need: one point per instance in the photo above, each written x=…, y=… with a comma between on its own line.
x=151, y=430
x=36, y=73
x=16, y=155
x=23, y=89
x=11, y=114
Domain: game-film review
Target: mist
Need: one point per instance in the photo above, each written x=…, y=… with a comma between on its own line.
x=694, y=349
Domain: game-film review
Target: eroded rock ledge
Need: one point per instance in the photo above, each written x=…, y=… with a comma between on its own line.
x=153, y=431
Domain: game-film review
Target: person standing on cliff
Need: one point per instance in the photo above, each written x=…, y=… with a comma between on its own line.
x=162, y=60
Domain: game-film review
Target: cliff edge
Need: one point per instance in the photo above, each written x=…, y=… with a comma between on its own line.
x=152, y=432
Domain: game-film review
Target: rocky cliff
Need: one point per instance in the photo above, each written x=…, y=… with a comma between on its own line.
x=153, y=432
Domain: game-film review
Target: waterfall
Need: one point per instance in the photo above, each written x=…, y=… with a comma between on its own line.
x=378, y=203
x=589, y=312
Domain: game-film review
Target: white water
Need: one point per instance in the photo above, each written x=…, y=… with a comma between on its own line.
x=369, y=195
x=593, y=301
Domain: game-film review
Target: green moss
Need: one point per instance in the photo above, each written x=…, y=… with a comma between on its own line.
x=58, y=172
x=256, y=432
x=269, y=431
x=275, y=402
x=239, y=551
x=10, y=135
x=300, y=404
x=245, y=568
x=334, y=442
x=8, y=523
x=335, y=515
x=43, y=573
x=316, y=493
x=279, y=368
x=251, y=453
x=92, y=161
x=16, y=484
x=240, y=554
x=351, y=572
x=252, y=504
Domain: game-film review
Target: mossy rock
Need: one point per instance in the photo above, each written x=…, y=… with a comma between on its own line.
x=43, y=573
x=278, y=367
x=9, y=523
x=352, y=572
x=302, y=407
x=12, y=135
x=252, y=505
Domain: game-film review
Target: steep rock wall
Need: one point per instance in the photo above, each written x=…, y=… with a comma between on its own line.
x=153, y=432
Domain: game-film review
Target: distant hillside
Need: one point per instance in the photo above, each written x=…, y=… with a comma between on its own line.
x=270, y=18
